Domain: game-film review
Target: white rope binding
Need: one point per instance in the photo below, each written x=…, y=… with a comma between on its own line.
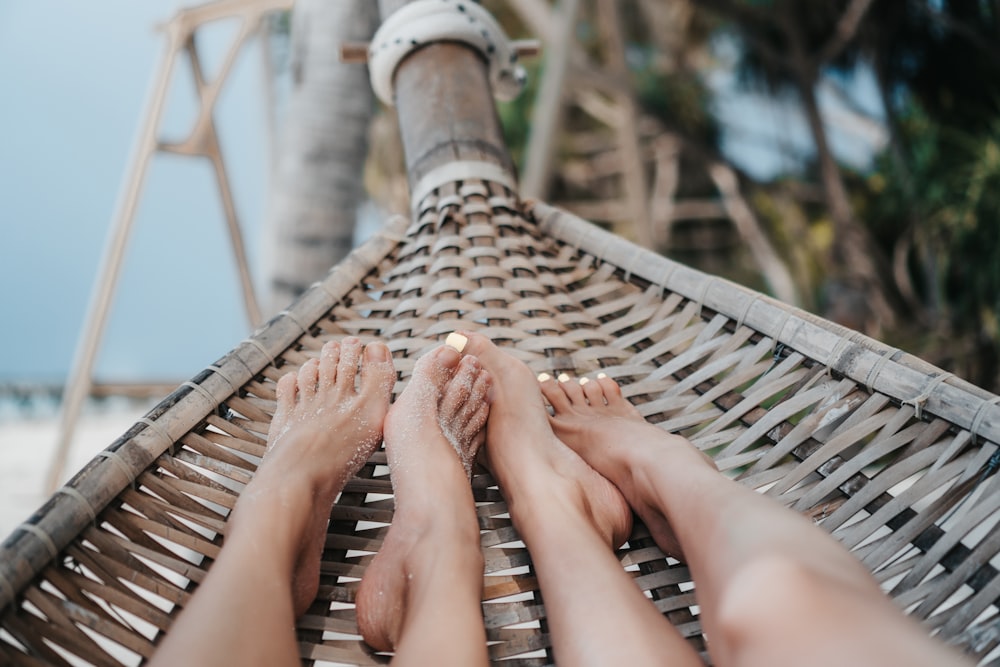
x=464, y=170
x=425, y=21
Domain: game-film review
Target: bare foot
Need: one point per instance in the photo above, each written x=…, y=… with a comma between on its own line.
x=325, y=428
x=527, y=458
x=432, y=434
x=597, y=422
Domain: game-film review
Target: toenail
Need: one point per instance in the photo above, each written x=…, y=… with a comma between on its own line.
x=563, y=377
x=584, y=381
x=456, y=341
x=601, y=376
x=378, y=351
x=544, y=377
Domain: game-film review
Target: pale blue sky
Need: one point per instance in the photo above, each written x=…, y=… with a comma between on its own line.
x=75, y=78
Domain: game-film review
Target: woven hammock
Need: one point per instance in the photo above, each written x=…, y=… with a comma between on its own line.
x=892, y=456
x=877, y=446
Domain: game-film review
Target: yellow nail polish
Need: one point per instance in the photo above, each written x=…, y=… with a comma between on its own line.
x=544, y=377
x=563, y=377
x=584, y=381
x=456, y=341
x=601, y=376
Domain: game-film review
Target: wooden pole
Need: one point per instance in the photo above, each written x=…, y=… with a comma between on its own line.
x=204, y=142
x=80, y=378
x=209, y=146
x=548, y=107
x=662, y=207
x=772, y=267
x=633, y=166
x=445, y=106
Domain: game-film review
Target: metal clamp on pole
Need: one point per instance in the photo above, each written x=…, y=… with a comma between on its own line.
x=427, y=21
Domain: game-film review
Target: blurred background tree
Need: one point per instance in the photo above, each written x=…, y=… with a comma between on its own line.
x=315, y=185
x=904, y=246
x=933, y=197
x=907, y=248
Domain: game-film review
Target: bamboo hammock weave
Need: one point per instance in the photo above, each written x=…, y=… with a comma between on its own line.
x=890, y=455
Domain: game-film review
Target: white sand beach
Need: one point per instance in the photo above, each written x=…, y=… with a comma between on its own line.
x=27, y=446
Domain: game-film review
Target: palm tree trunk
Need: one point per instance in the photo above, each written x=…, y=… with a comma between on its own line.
x=858, y=295
x=317, y=181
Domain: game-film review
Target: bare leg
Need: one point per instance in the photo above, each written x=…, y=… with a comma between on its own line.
x=421, y=594
x=570, y=518
x=267, y=573
x=774, y=588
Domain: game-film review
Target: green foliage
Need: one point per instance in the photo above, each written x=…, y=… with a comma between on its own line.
x=933, y=197
x=678, y=99
x=515, y=116
x=945, y=55
x=281, y=22
x=970, y=229
x=946, y=198
x=782, y=40
x=952, y=193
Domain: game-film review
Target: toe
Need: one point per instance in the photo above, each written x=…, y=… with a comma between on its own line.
x=347, y=365
x=457, y=392
x=593, y=392
x=479, y=402
x=329, y=356
x=616, y=400
x=493, y=358
x=571, y=387
x=378, y=375
x=481, y=388
x=473, y=410
x=286, y=391
x=611, y=390
x=437, y=366
x=308, y=376
x=553, y=393
x=515, y=396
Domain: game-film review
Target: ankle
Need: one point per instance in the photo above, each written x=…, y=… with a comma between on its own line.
x=438, y=546
x=673, y=482
x=546, y=520
x=538, y=503
x=281, y=516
